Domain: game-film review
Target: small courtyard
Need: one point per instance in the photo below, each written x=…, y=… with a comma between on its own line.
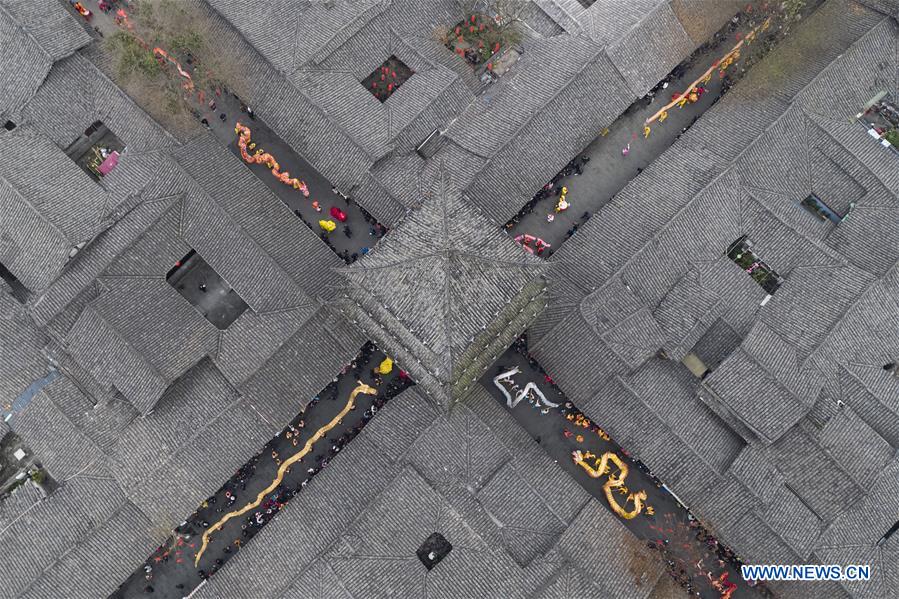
x=206, y=291
x=387, y=78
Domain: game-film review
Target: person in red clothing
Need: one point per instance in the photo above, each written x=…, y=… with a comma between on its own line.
x=338, y=214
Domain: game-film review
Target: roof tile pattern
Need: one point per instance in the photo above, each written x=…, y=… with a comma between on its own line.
x=775, y=446
x=441, y=277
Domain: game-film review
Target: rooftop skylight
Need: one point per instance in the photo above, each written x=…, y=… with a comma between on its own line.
x=742, y=254
x=209, y=293
x=815, y=206
x=433, y=550
x=387, y=78
x=96, y=151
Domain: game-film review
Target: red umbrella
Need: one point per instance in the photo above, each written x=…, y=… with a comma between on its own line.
x=338, y=214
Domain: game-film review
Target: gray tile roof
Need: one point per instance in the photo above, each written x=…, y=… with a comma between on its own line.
x=881, y=414
x=32, y=39
x=51, y=434
x=316, y=83
x=308, y=526
x=397, y=426
x=527, y=132
x=53, y=27
x=777, y=370
x=317, y=30
x=140, y=347
x=29, y=61
x=742, y=381
x=269, y=258
x=223, y=243
x=200, y=433
x=392, y=499
x=821, y=486
x=377, y=556
x=76, y=94
x=22, y=359
x=438, y=281
x=50, y=218
x=264, y=218
x=593, y=544
x=87, y=527
x=301, y=366
x=890, y=7
x=310, y=90
x=99, y=562
x=649, y=51
x=46, y=218
x=105, y=249
x=527, y=525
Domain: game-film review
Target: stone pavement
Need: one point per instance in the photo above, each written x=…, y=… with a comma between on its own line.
x=360, y=223
x=208, y=292
x=172, y=573
x=608, y=170
x=671, y=530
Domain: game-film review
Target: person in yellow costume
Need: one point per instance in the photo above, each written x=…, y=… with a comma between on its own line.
x=327, y=225
x=385, y=367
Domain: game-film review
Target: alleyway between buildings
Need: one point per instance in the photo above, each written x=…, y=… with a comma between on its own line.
x=351, y=238
x=621, y=152
x=171, y=572
x=691, y=554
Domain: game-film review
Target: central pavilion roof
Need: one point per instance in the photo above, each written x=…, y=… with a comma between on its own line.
x=440, y=278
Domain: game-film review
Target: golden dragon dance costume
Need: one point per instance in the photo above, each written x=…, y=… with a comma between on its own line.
x=285, y=465
x=600, y=468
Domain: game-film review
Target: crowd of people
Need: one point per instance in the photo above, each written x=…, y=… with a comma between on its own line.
x=681, y=543
x=182, y=546
x=364, y=241
x=552, y=190
x=693, y=556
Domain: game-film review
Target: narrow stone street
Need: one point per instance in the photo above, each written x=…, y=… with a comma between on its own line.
x=692, y=556
x=618, y=155
x=170, y=572
x=351, y=239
